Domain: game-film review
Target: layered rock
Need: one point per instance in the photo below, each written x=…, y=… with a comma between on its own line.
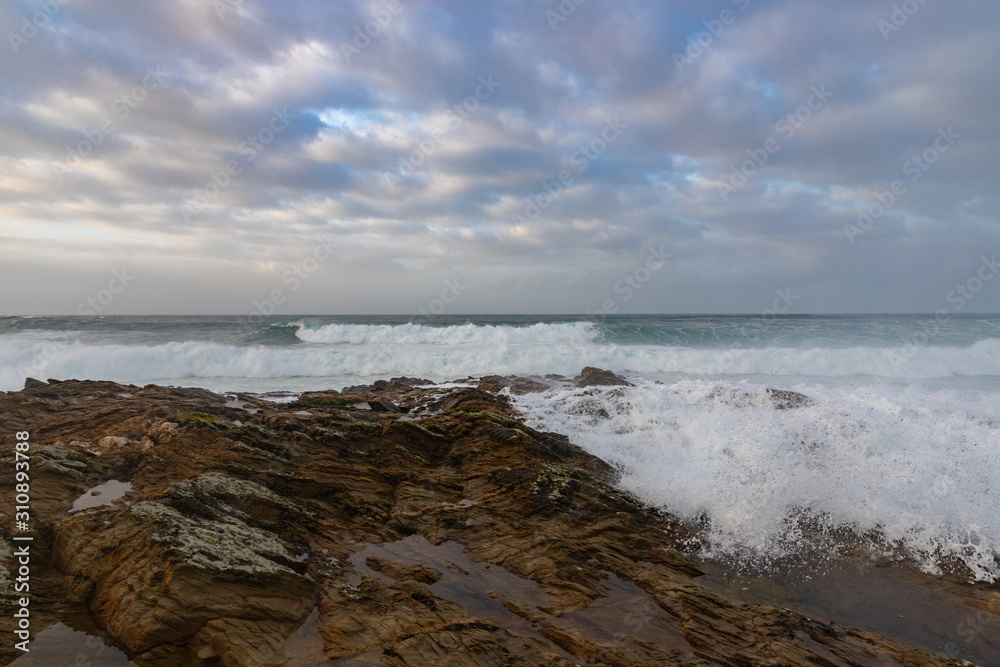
x=440, y=530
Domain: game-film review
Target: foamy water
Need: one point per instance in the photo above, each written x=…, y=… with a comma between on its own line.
x=900, y=446
x=342, y=353
x=917, y=467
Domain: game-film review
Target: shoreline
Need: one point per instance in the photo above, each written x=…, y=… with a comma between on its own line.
x=491, y=485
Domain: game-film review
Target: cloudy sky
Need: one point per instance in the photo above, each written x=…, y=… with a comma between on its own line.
x=531, y=156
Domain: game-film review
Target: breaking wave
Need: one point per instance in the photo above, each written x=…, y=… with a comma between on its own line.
x=443, y=353
x=912, y=469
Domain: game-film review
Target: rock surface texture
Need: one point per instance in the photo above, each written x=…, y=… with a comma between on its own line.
x=389, y=525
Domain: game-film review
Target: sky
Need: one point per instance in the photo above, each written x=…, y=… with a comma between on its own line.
x=523, y=156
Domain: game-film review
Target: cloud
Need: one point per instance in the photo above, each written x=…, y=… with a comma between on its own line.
x=209, y=144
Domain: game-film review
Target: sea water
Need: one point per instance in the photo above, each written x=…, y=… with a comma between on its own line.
x=898, y=446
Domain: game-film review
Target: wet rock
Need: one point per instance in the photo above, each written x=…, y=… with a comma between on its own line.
x=164, y=568
x=473, y=400
x=596, y=377
x=517, y=385
x=32, y=383
x=786, y=400
x=383, y=406
x=407, y=382
x=251, y=543
x=779, y=399
x=421, y=573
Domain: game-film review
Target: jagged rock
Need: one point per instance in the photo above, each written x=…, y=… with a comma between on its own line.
x=471, y=400
x=32, y=383
x=247, y=538
x=407, y=382
x=596, y=377
x=779, y=399
x=421, y=573
x=166, y=567
x=517, y=385
x=383, y=406
x=785, y=400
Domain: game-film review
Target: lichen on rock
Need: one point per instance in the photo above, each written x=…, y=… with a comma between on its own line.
x=495, y=543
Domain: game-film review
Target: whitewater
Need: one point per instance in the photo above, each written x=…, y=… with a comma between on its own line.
x=899, y=445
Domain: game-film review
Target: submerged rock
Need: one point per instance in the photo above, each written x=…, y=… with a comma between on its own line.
x=458, y=536
x=784, y=400
x=517, y=385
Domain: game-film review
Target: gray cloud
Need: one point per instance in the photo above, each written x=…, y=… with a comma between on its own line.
x=383, y=146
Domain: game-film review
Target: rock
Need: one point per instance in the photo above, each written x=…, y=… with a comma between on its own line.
x=738, y=397
x=115, y=442
x=595, y=377
x=252, y=543
x=473, y=400
x=517, y=385
x=204, y=550
x=785, y=400
x=421, y=573
x=383, y=406
x=32, y=383
x=409, y=382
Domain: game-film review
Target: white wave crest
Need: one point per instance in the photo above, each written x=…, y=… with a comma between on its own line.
x=443, y=353
x=466, y=334
x=916, y=466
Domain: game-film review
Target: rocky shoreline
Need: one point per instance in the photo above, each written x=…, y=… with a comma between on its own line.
x=392, y=524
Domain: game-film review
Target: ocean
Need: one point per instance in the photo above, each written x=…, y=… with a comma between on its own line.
x=898, y=450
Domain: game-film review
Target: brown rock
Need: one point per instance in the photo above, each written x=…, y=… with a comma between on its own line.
x=517, y=385
x=595, y=377
x=421, y=573
x=166, y=567
x=473, y=400
x=462, y=538
x=383, y=406
x=32, y=383
x=408, y=382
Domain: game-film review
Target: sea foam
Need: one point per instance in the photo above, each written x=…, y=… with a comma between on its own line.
x=443, y=353
x=912, y=468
